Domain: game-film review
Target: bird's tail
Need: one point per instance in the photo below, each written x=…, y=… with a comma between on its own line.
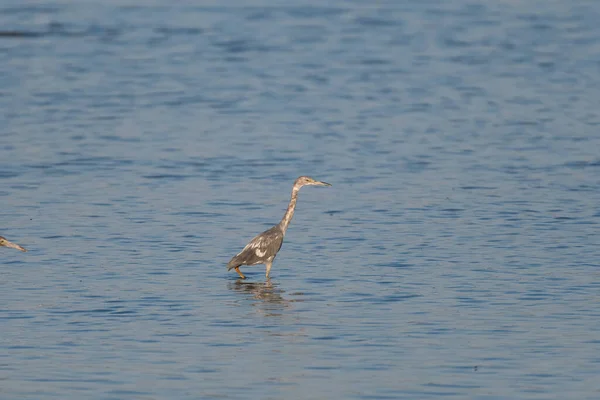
x=232, y=264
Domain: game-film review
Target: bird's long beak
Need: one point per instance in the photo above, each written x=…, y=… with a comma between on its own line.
x=319, y=183
x=13, y=245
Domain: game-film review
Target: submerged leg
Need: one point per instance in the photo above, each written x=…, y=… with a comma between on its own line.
x=237, y=269
x=269, y=264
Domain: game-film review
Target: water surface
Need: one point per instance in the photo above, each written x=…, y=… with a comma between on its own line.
x=456, y=255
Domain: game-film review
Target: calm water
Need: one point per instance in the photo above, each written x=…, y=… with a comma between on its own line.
x=456, y=255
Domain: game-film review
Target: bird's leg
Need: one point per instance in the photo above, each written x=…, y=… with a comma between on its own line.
x=237, y=269
x=269, y=264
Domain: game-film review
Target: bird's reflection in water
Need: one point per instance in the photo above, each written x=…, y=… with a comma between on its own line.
x=269, y=297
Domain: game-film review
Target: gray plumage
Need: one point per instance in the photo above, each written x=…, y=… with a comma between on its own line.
x=263, y=248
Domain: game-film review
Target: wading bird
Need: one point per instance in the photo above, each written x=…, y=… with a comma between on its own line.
x=6, y=243
x=264, y=247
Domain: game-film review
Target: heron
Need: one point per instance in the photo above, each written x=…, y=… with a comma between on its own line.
x=6, y=243
x=263, y=248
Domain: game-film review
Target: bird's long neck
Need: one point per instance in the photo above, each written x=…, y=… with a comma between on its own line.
x=287, y=218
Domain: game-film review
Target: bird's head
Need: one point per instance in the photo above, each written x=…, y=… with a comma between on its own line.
x=308, y=181
x=6, y=243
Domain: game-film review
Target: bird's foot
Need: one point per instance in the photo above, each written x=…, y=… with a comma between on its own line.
x=237, y=269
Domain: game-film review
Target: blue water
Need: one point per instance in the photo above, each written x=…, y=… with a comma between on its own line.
x=456, y=255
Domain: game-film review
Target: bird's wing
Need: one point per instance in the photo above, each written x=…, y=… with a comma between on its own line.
x=260, y=248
